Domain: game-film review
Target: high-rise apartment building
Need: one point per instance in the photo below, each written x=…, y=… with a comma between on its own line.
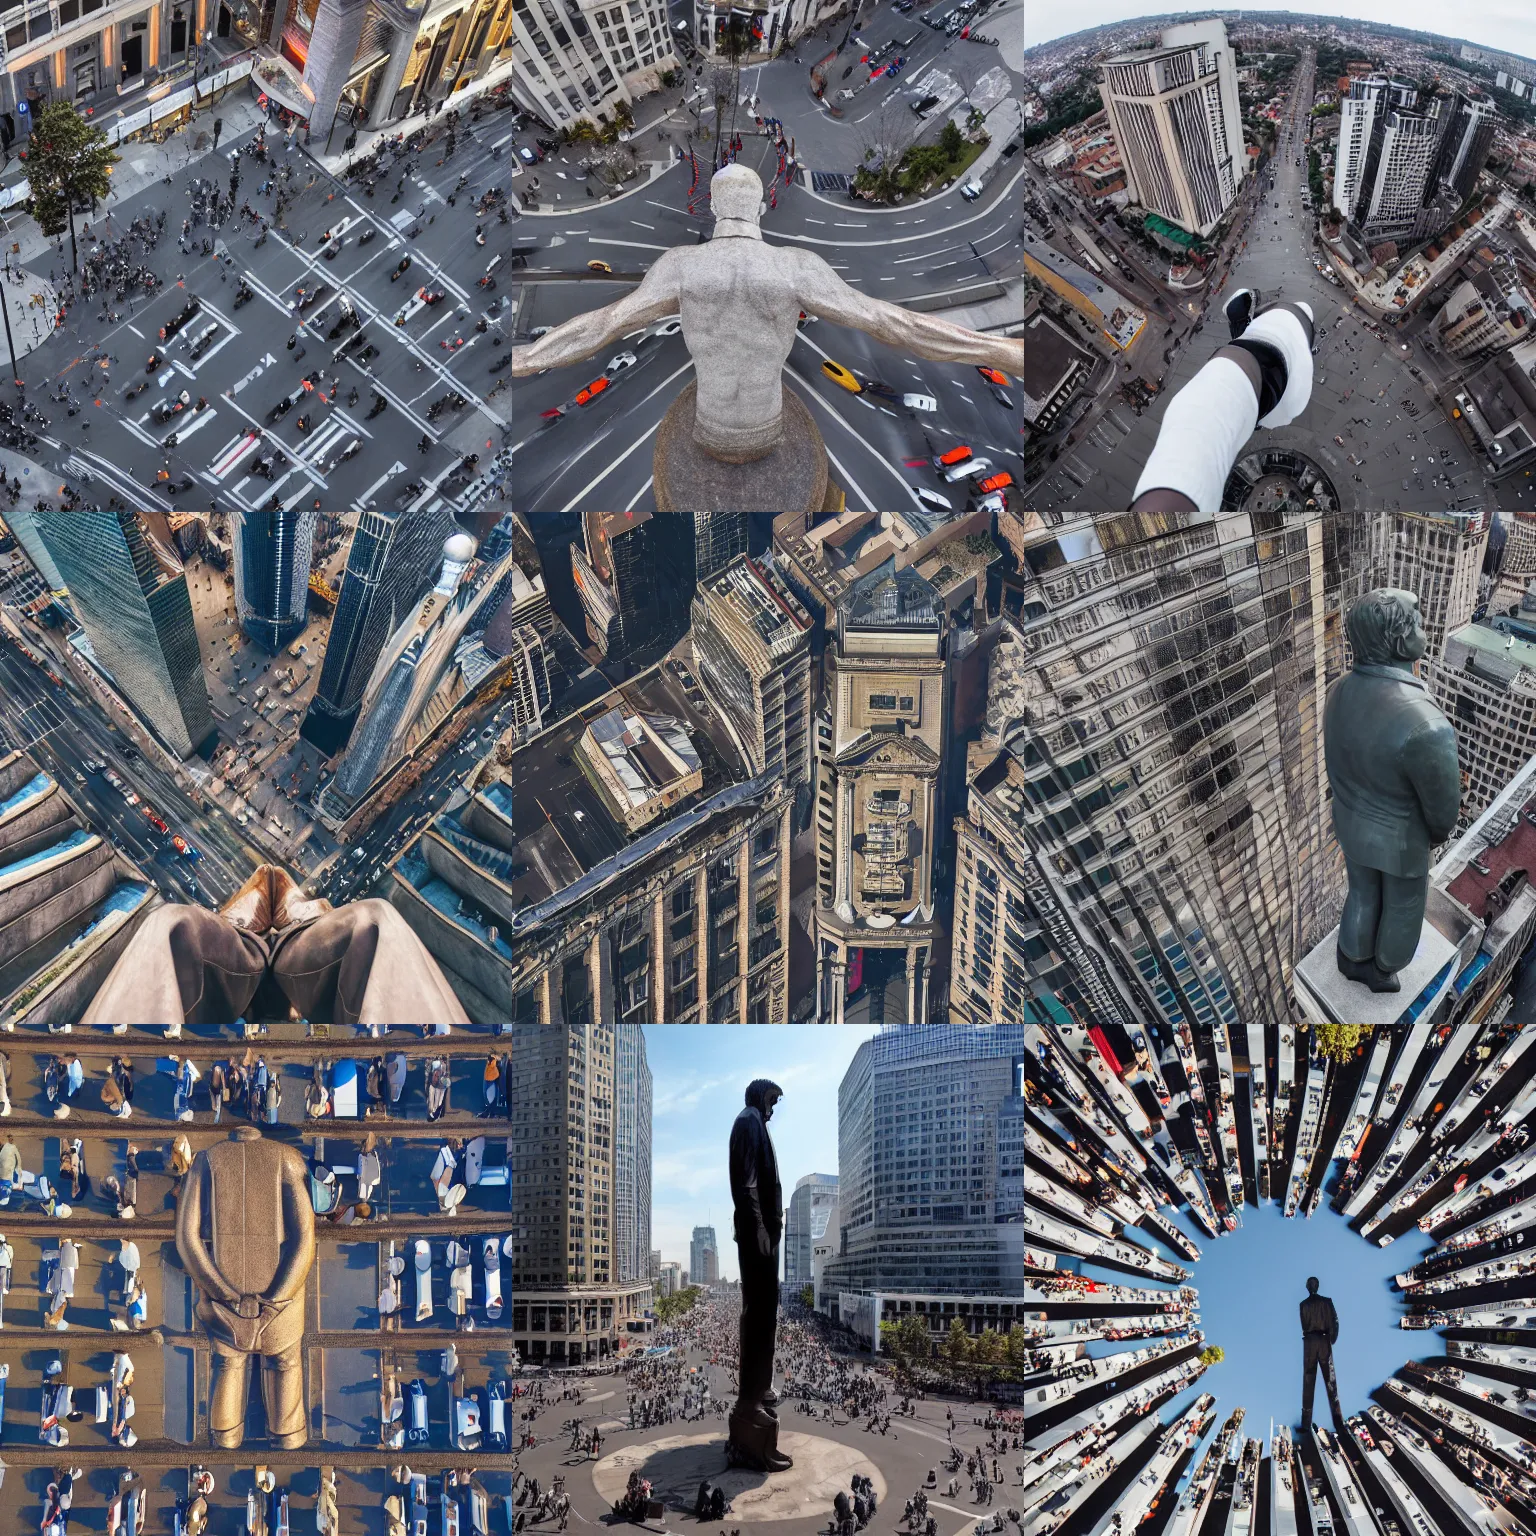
x=23, y=524
x=631, y=1157
x=1464, y=146
x=751, y=640
x=1176, y=117
x=1484, y=679
x=1392, y=205
x=634, y=577
x=574, y=59
x=917, y=1149
x=273, y=555
x=1162, y=830
x=703, y=1257
x=390, y=567
x=128, y=588
x=883, y=736
x=671, y=1278
x=569, y=1304
x=655, y=1263
x=1438, y=556
x=811, y=1205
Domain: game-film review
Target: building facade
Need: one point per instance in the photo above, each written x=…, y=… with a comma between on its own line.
x=1438, y=556
x=1176, y=117
x=273, y=554
x=129, y=591
x=882, y=735
x=634, y=577
x=564, y=1187
x=632, y=1157
x=574, y=59
x=703, y=1257
x=917, y=1132
x=718, y=539
x=751, y=649
x=811, y=1205
x=390, y=567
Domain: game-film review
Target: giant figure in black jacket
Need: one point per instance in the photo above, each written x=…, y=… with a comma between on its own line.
x=1319, y=1333
x=759, y=1207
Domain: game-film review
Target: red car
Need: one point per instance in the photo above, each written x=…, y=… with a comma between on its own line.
x=996, y=482
x=592, y=391
x=155, y=822
x=992, y=375
x=179, y=844
x=953, y=456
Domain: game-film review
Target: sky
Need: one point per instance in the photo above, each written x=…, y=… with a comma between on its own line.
x=1500, y=24
x=699, y=1076
x=1251, y=1283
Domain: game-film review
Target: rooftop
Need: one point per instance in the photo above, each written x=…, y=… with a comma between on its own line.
x=561, y=827
x=759, y=599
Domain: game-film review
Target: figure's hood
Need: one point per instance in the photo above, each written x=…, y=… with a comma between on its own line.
x=757, y=1094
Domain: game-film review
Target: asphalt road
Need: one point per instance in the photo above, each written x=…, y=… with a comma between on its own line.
x=1372, y=426
x=599, y=454
x=246, y=367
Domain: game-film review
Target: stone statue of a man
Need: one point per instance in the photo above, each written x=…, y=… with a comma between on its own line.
x=245, y=1230
x=1396, y=784
x=740, y=301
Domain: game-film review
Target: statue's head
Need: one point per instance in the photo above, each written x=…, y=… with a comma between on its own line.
x=1311, y=1285
x=736, y=192
x=1385, y=628
x=762, y=1095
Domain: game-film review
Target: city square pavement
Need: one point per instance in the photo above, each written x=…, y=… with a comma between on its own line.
x=827, y=1447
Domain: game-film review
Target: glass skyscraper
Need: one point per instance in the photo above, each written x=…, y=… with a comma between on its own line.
x=918, y=1126
x=129, y=591
x=390, y=566
x=273, y=554
x=703, y=1257
x=631, y=1155
x=812, y=1203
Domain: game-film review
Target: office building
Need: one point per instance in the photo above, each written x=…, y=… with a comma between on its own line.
x=1485, y=682
x=631, y=1157
x=569, y=1305
x=718, y=538
x=883, y=734
x=1175, y=115
x=811, y=1205
x=751, y=639
x=1116, y=320
x=823, y=1249
x=655, y=1266
x=917, y=1153
x=635, y=578
x=704, y=1257
x=671, y=1278
x=434, y=662
x=390, y=567
x=1464, y=145
x=571, y=60
x=128, y=589
x=1438, y=556
x=23, y=525
x=69, y=901
x=1489, y=310
x=273, y=554
x=647, y=880
x=863, y=1314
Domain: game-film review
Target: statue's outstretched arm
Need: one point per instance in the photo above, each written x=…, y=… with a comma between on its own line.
x=582, y=335
x=824, y=293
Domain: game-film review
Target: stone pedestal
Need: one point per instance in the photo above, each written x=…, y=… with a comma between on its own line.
x=751, y=1443
x=1327, y=997
x=791, y=477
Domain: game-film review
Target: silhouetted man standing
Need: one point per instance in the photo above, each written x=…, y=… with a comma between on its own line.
x=1319, y=1333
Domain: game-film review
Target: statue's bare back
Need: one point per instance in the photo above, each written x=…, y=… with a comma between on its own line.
x=740, y=302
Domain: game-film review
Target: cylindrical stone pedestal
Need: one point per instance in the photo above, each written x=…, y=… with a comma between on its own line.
x=791, y=477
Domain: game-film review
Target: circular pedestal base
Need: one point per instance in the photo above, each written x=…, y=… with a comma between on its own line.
x=792, y=477
x=677, y=1465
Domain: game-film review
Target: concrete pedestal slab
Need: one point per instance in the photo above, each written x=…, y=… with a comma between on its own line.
x=677, y=1465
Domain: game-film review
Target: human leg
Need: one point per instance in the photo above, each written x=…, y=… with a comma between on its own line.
x=282, y=1390
x=363, y=964
x=226, y=1402
x=1309, y=1360
x=1362, y=912
x=182, y=966
x=1402, y=919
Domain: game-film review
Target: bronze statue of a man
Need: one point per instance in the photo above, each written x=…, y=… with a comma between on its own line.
x=759, y=1206
x=245, y=1230
x=1396, y=784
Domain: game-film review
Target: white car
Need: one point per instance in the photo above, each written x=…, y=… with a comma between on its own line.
x=920, y=402
x=932, y=498
x=971, y=191
x=622, y=360
x=668, y=327
x=967, y=469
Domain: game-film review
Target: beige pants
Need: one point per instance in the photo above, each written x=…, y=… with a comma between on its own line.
x=360, y=964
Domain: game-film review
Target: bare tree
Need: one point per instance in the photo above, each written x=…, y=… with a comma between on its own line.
x=885, y=136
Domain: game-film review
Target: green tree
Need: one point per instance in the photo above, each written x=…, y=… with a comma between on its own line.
x=669, y=1308
x=69, y=167
x=952, y=141
x=1212, y=1354
x=808, y=1295
x=956, y=1350
x=1339, y=1041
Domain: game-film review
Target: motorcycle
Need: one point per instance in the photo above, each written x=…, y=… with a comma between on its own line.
x=244, y=294
x=404, y=267
x=135, y=390
x=367, y=235
x=380, y=404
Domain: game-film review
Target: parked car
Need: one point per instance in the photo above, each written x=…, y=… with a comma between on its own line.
x=528, y=156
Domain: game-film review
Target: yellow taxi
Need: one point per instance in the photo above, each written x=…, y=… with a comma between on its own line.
x=840, y=375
